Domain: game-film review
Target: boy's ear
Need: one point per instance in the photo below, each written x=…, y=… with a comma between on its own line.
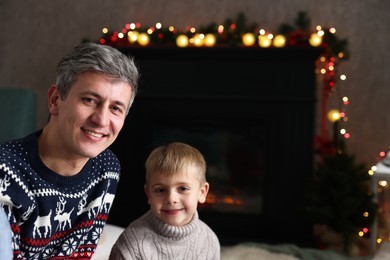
x=146, y=192
x=204, y=189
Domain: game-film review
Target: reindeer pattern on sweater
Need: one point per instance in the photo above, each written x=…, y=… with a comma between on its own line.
x=53, y=216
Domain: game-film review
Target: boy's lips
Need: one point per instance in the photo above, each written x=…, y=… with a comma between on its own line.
x=172, y=211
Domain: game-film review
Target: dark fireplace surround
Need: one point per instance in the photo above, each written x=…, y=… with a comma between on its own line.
x=260, y=103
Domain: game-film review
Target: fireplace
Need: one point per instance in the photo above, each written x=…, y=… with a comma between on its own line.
x=251, y=113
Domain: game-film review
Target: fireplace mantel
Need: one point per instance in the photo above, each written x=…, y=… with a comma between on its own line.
x=273, y=90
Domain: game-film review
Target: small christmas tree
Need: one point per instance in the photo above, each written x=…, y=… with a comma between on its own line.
x=339, y=194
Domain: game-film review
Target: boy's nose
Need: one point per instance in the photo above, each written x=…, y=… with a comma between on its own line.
x=172, y=198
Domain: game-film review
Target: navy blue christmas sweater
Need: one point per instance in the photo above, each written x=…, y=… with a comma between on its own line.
x=53, y=216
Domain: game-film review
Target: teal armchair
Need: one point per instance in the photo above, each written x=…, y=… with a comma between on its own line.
x=17, y=113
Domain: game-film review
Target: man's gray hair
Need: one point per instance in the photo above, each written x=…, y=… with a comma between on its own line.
x=98, y=58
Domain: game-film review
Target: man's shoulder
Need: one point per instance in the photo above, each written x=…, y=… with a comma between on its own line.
x=13, y=148
x=108, y=154
x=16, y=153
x=107, y=159
x=17, y=146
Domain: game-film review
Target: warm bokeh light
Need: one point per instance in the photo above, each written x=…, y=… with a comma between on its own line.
x=220, y=29
x=150, y=30
x=182, y=41
x=143, y=39
x=315, y=40
x=264, y=41
x=210, y=40
x=279, y=41
x=248, y=39
x=197, y=39
x=334, y=115
x=132, y=36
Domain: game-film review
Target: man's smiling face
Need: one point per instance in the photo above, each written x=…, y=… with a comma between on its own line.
x=92, y=114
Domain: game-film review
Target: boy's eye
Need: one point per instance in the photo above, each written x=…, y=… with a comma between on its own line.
x=158, y=190
x=184, y=188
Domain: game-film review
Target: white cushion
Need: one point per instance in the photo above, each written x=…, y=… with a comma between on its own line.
x=107, y=239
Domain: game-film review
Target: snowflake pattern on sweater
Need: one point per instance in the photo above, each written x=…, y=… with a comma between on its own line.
x=53, y=216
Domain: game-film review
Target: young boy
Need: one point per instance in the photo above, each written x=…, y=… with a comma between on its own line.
x=171, y=229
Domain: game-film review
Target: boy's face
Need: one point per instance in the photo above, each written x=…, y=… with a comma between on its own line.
x=174, y=198
x=90, y=117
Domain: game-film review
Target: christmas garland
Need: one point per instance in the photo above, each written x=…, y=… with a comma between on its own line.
x=228, y=34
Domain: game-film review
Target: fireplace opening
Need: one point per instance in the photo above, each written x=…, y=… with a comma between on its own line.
x=235, y=162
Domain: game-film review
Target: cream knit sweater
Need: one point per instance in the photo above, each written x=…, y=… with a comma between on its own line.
x=148, y=238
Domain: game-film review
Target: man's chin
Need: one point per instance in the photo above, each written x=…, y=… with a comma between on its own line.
x=92, y=152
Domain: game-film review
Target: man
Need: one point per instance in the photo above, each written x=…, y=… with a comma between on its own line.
x=57, y=185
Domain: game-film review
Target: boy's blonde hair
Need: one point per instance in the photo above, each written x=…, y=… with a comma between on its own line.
x=175, y=157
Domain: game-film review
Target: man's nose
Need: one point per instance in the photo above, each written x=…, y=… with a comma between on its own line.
x=101, y=116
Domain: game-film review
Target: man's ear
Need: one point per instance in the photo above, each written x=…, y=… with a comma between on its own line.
x=204, y=189
x=53, y=99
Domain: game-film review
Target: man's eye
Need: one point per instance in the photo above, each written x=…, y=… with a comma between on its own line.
x=88, y=100
x=159, y=190
x=117, y=109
